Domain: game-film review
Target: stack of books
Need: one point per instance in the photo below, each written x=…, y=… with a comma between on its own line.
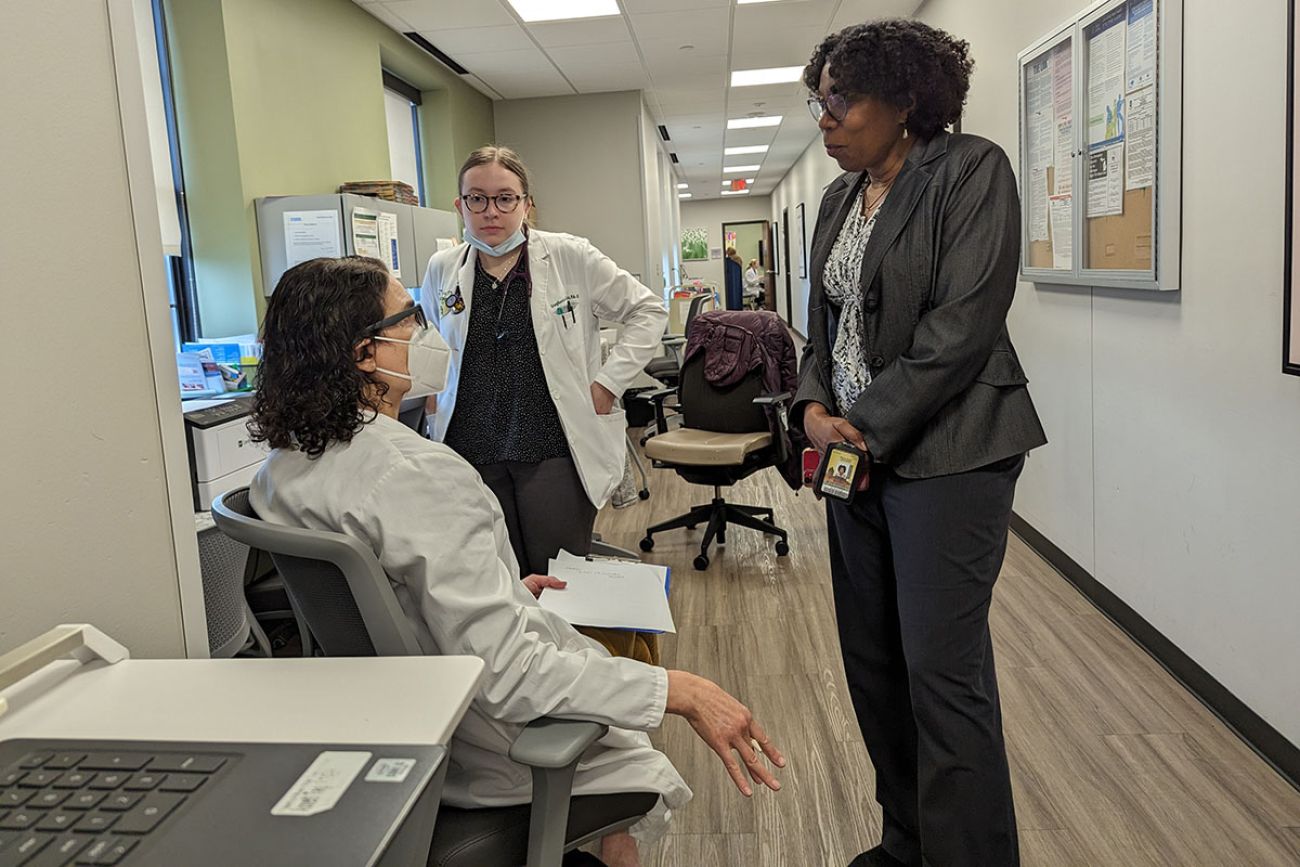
x=393, y=191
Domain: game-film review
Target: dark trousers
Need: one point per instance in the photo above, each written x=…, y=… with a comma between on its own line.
x=913, y=563
x=546, y=509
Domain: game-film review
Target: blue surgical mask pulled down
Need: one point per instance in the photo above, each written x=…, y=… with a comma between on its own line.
x=500, y=249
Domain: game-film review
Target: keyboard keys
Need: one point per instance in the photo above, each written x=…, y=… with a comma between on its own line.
x=11, y=778
x=35, y=760
x=121, y=801
x=145, y=782
x=59, y=852
x=148, y=813
x=91, y=854
x=15, y=797
x=107, y=851
x=23, y=848
x=84, y=800
x=93, y=823
x=109, y=781
x=181, y=782
x=74, y=780
x=115, y=761
x=40, y=779
x=46, y=800
x=186, y=763
x=59, y=820
x=20, y=820
x=63, y=761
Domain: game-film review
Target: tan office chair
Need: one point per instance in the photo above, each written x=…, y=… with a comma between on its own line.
x=725, y=436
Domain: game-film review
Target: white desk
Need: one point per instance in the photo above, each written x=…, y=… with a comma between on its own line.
x=376, y=700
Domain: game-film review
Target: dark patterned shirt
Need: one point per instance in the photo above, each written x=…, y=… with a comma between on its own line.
x=504, y=410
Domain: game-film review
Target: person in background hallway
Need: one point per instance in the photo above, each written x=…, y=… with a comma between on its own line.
x=734, y=280
x=344, y=344
x=914, y=264
x=754, y=281
x=529, y=403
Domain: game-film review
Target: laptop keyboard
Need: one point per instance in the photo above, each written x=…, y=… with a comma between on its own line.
x=93, y=808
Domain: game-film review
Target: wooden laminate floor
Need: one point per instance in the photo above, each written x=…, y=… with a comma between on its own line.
x=1113, y=762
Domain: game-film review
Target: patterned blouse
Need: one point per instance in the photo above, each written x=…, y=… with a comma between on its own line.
x=842, y=278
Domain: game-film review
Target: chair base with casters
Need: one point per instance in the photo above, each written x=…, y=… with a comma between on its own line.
x=716, y=516
x=337, y=585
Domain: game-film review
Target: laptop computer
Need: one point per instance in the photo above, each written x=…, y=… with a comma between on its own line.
x=156, y=803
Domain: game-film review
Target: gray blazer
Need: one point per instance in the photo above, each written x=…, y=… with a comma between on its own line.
x=947, y=392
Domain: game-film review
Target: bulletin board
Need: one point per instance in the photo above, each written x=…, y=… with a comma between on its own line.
x=1291, y=279
x=1100, y=122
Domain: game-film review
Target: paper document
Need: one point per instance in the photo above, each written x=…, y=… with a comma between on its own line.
x=615, y=594
x=1141, y=150
x=374, y=234
x=1062, y=210
x=310, y=235
x=1106, y=181
x=1106, y=78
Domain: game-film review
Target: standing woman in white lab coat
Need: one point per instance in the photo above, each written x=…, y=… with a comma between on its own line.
x=529, y=402
x=344, y=343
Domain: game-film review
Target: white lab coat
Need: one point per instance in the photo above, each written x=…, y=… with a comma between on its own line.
x=565, y=270
x=440, y=536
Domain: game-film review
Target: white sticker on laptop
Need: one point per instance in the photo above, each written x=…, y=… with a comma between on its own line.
x=389, y=770
x=322, y=785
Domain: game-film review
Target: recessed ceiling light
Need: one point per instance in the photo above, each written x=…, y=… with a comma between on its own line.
x=753, y=122
x=739, y=170
x=682, y=186
x=734, y=193
x=748, y=149
x=563, y=10
x=683, y=195
x=752, y=77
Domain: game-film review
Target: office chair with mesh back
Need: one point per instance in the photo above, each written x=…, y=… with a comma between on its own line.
x=725, y=437
x=346, y=599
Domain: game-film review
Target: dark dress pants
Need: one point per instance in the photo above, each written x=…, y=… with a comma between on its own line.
x=913, y=563
x=546, y=509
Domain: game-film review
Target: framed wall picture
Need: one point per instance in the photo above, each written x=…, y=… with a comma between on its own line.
x=1290, y=303
x=776, y=246
x=803, y=242
x=695, y=244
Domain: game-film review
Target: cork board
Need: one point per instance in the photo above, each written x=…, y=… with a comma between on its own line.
x=1124, y=242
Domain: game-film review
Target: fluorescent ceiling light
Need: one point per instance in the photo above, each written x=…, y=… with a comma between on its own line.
x=563, y=10
x=739, y=170
x=735, y=192
x=683, y=186
x=747, y=149
x=753, y=122
x=752, y=77
x=683, y=195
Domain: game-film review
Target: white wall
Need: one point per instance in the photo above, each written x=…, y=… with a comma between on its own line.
x=88, y=507
x=802, y=184
x=711, y=214
x=1173, y=473
x=584, y=154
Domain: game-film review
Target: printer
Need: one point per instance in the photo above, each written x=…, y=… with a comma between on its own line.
x=223, y=455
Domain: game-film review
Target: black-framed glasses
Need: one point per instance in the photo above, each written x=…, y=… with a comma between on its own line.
x=835, y=104
x=505, y=202
x=389, y=321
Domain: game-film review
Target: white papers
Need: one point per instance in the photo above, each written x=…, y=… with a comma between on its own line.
x=311, y=235
x=1064, y=176
x=1141, y=45
x=1062, y=80
x=615, y=594
x=1106, y=79
x=1041, y=119
x=1062, y=212
x=374, y=234
x=1106, y=181
x=1141, y=151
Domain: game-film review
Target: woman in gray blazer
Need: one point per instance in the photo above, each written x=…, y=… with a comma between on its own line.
x=914, y=263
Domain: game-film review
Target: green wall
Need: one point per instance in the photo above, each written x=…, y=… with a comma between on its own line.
x=286, y=98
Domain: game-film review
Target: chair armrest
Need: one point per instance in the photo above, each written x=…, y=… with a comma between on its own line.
x=768, y=399
x=555, y=743
x=674, y=339
x=657, y=397
x=778, y=401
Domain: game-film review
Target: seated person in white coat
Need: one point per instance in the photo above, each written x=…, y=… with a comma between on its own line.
x=343, y=344
x=529, y=401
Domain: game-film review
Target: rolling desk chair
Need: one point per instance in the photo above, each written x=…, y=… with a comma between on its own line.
x=344, y=595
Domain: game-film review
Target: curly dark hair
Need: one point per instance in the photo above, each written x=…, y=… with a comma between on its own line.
x=902, y=63
x=309, y=391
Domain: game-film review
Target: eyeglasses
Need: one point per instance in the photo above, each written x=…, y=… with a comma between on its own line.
x=505, y=202
x=835, y=104
x=387, y=322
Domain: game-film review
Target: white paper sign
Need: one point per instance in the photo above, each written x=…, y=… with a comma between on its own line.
x=1062, y=209
x=374, y=234
x=1106, y=181
x=1106, y=79
x=1040, y=121
x=609, y=593
x=1141, y=150
x=1064, y=147
x=311, y=235
x=323, y=783
x=1141, y=44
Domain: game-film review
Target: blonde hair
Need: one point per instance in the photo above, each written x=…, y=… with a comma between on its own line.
x=509, y=160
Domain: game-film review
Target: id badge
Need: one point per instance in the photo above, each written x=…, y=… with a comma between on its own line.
x=841, y=470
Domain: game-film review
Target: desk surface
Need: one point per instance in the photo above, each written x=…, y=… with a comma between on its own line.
x=373, y=700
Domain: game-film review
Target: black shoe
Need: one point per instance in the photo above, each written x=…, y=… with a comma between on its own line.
x=876, y=857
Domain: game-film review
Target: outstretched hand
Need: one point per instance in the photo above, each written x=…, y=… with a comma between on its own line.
x=728, y=727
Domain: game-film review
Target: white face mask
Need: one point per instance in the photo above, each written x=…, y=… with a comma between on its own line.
x=427, y=358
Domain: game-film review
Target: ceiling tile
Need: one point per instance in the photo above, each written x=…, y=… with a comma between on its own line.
x=754, y=20
x=450, y=14
x=792, y=47
x=670, y=50
x=606, y=78
x=858, y=11
x=562, y=33
x=393, y=20
x=479, y=40
x=588, y=56
x=682, y=26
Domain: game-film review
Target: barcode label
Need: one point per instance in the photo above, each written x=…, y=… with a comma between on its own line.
x=390, y=770
x=322, y=785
